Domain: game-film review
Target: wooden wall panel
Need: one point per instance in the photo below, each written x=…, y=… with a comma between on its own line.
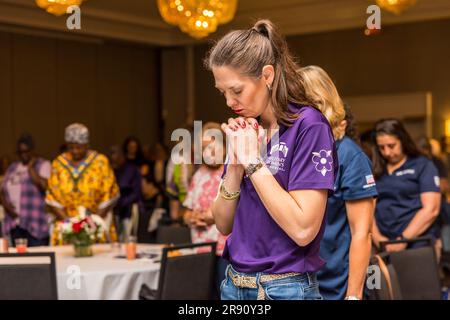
x=34, y=90
x=146, y=121
x=115, y=107
x=46, y=84
x=77, y=86
x=6, y=123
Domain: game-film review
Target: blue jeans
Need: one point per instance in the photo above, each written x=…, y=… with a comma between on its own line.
x=301, y=287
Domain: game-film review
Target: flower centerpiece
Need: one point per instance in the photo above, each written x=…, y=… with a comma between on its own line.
x=82, y=231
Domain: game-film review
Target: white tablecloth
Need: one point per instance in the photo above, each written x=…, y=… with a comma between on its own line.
x=102, y=276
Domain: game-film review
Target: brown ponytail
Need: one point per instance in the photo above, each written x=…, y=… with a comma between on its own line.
x=250, y=50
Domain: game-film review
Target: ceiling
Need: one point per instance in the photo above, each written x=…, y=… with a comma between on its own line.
x=139, y=20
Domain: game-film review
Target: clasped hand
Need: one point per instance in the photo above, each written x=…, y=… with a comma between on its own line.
x=244, y=140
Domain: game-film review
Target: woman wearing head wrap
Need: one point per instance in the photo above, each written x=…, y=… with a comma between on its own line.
x=80, y=177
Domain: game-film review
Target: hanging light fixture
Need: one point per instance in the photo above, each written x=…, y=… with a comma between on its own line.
x=198, y=18
x=57, y=7
x=396, y=6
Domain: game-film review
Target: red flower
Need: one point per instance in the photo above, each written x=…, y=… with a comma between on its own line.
x=77, y=226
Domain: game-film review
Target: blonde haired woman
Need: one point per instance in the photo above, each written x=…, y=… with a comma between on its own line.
x=346, y=244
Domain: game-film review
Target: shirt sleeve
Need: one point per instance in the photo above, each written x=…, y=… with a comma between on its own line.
x=45, y=170
x=429, y=178
x=357, y=181
x=314, y=162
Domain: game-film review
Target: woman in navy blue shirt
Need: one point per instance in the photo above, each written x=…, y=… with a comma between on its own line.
x=408, y=187
x=346, y=243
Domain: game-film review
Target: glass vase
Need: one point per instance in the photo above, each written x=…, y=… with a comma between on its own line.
x=82, y=250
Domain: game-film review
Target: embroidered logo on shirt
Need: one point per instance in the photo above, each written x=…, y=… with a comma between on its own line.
x=407, y=171
x=370, y=181
x=280, y=147
x=323, y=161
x=437, y=181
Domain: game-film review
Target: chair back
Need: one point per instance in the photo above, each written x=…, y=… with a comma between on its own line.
x=189, y=276
x=28, y=276
x=173, y=234
x=417, y=270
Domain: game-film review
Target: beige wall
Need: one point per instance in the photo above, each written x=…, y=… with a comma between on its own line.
x=402, y=58
x=46, y=84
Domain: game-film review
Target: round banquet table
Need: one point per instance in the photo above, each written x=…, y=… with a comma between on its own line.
x=104, y=276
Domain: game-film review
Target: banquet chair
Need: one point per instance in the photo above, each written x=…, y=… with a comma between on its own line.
x=188, y=276
x=173, y=234
x=28, y=276
x=389, y=286
x=416, y=269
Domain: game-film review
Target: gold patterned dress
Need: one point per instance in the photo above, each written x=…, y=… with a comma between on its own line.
x=91, y=184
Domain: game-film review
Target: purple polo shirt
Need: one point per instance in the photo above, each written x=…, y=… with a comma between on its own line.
x=304, y=157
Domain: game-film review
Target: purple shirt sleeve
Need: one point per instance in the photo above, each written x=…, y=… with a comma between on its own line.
x=314, y=161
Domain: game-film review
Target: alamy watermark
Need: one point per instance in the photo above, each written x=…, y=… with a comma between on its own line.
x=73, y=281
x=73, y=22
x=373, y=22
x=211, y=145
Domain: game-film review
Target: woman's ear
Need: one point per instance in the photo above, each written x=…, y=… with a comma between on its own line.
x=268, y=74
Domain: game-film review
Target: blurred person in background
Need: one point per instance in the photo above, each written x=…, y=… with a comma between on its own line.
x=443, y=142
x=80, y=177
x=346, y=244
x=178, y=176
x=22, y=194
x=4, y=164
x=155, y=200
x=201, y=193
x=425, y=146
x=154, y=177
x=128, y=178
x=132, y=149
x=408, y=187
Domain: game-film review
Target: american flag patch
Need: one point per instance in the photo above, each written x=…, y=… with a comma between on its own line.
x=370, y=179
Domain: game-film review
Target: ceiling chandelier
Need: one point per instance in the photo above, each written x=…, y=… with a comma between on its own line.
x=57, y=7
x=396, y=6
x=197, y=18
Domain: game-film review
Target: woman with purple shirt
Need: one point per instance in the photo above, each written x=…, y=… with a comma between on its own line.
x=128, y=178
x=272, y=203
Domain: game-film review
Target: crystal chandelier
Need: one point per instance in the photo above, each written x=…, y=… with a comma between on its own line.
x=396, y=6
x=198, y=18
x=57, y=7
